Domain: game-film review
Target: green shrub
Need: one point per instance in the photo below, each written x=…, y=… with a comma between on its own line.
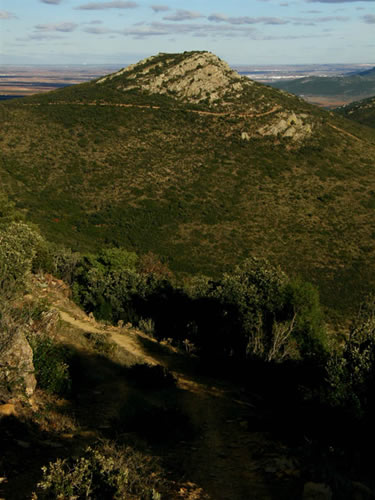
x=103, y=472
x=100, y=343
x=117, y=259
x=147, y=326
x=351, y=371
x=18, y=246
x=51, y=365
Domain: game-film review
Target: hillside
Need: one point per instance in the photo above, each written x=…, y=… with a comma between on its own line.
x=345, y=88
x=180, y=155
x=360, y=111
x=185, y=434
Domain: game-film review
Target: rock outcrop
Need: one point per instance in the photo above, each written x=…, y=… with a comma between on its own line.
x=17, y=380
x=195, y=78
x=289, y=125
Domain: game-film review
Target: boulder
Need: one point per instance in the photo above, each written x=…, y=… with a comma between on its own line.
x=17, y=380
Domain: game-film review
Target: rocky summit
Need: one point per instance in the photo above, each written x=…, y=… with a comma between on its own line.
x=195, y=77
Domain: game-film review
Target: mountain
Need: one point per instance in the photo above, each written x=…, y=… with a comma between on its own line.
x=180, y=155
x=340, y=88
x=360, y=111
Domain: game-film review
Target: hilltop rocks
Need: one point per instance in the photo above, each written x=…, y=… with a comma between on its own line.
x=17, y=378
x=288, y=125
x=198, y=77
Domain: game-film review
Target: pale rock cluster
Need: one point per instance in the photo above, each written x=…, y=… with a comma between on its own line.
x=296, y=127
x=199, y=77
x=16, y=366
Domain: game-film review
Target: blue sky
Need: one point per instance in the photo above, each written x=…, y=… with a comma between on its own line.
x=241, y=32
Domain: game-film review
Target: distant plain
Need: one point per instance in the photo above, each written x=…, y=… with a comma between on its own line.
x=21, y=81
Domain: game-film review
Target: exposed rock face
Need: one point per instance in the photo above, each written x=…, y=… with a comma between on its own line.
x=17, y=378
x=197, y=77
x=288, y=125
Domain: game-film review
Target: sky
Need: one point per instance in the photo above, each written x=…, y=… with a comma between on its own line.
x=252, y=32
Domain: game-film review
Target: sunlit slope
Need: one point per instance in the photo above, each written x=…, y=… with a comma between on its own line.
x=203, y=181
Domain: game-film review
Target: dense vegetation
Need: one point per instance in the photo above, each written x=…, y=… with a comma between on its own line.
x=186, y=186
x=253, y=324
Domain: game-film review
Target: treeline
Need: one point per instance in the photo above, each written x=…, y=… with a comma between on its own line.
x=256, y=311
x=254, y=314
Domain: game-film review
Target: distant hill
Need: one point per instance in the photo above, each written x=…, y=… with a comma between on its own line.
x=182, y=156
x=345, y=88
x=360, y=111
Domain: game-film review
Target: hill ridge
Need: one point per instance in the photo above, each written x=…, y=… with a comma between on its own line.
x=197, y=77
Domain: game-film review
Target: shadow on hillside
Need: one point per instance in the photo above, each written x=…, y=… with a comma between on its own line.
x=196, y=432
x=137, y=406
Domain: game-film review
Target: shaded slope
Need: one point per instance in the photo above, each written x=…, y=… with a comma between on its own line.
x=203, y=183
x=347, y=88
x=223, y=457
x=362, y=111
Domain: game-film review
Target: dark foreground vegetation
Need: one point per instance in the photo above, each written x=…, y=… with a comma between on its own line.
x=253, y=325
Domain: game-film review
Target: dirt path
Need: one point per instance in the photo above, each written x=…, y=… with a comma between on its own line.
x=126, y=339
x=141, y=106
x=224, y=459
x=345, y=132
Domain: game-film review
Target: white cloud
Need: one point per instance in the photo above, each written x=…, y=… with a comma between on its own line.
x=160, y=8
x=61, y=27
x=183, y=15
x=108, y=5
x=51, y=2
x=222, y=18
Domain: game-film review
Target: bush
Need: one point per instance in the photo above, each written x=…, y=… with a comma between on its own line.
x=100, y=342
x=51, y=365
x=18, y=247
x=102, y=472
x=351, y=371
x=255, y=312
x=65, y=263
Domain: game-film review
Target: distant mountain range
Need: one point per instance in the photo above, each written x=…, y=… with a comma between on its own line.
x=346, y=88
x=182, y=156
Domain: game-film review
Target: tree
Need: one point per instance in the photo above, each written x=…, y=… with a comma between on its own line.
x=18, y=247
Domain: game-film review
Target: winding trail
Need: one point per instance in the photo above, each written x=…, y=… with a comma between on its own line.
x=142, y=106
x=345, y=132
x=226, y=460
